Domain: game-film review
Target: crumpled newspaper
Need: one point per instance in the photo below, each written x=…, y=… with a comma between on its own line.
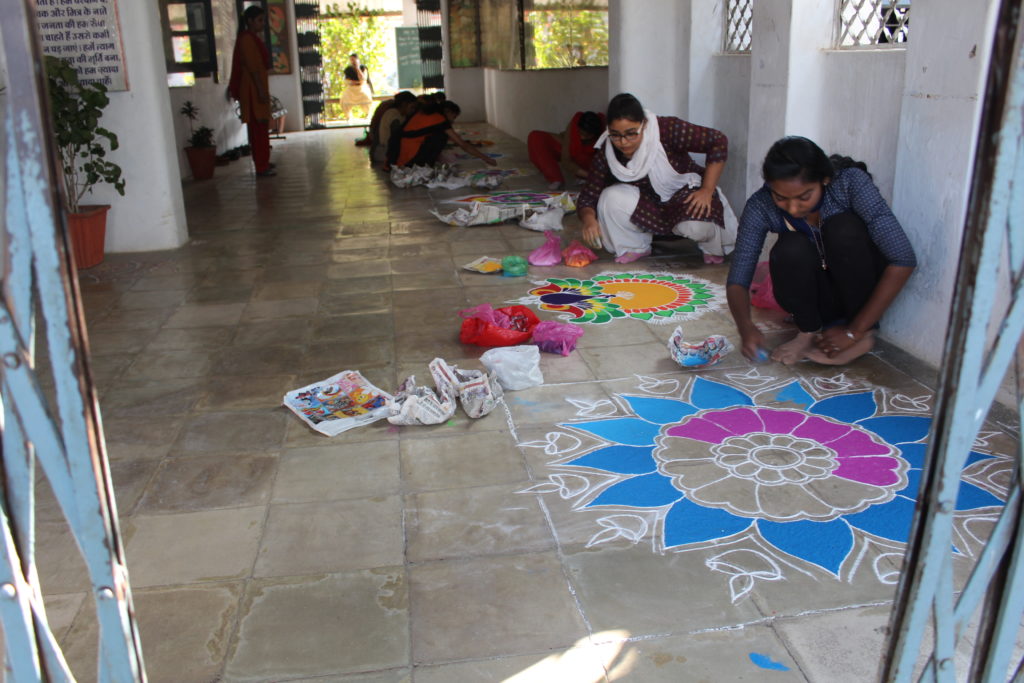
x=411, y=176
x=447, y=178
x=479, y=213
x=478, y=391
x=700, y=355
x=420, y=405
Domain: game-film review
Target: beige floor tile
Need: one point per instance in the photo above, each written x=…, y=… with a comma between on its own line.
x=354, y=328
x=647, y=593
x=474, y=521
x=486, y=607
x=59, y=562
x=551, y=404
x=337, y=472
x=323, y=625
x=612, y=362
x=257, y=311
x=459, y=461
x=206, y=315
x=152, y=398
x=185, y=631
x=727, y=655
x=232, y=432
x=581, y=662
x=192, y=547
x=305, y=538
x=160, y=365
x=254, y=393
x=257, y=360
x=188, y=484
x=190, y=338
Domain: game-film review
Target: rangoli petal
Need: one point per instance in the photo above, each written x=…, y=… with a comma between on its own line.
x=688, y=523
x=833, y=541
x=847, y=408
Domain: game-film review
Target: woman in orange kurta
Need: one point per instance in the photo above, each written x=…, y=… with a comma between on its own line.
x=250, y=85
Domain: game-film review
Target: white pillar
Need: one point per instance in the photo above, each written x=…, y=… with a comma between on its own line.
x=947, y=56
x=151, y=215
x=649, y=53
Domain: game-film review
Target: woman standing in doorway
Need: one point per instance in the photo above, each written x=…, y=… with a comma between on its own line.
x=840, y=260
x=358, y=87
x=250, y=85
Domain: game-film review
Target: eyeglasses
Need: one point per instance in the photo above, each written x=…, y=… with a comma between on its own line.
x=628, y=136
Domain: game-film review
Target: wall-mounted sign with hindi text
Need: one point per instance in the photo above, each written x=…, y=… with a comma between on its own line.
x=87, y=34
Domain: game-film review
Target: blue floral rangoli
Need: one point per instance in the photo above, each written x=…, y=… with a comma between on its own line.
x=805, y=469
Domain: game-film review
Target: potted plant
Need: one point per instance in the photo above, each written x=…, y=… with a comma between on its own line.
x=201, y=152
x=82, y=145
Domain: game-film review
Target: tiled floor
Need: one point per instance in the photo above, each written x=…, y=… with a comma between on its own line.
x=262, y=551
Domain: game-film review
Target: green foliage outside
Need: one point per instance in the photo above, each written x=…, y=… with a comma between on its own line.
x=342, y=32
x=566, y=37
x=81, y=141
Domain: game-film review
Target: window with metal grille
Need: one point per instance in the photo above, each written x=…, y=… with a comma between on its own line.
x=873, y=23
x=739, y=19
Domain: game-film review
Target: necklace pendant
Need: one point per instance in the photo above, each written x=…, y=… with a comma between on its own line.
x=824, y=266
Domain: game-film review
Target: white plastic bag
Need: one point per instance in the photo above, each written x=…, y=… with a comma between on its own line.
x=517, y=367
x=542, y=220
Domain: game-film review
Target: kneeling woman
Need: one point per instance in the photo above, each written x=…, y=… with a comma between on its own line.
x=642, y=181
x=840, y=259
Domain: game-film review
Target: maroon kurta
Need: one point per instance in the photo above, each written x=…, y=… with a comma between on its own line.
x=679, y=138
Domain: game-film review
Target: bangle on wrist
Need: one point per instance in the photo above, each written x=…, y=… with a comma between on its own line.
x=851, y=334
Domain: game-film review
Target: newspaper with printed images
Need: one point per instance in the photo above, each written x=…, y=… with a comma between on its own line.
x=338, y=403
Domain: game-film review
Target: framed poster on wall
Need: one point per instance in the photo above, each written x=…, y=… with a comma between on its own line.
x=464, y=32
x=280, y=41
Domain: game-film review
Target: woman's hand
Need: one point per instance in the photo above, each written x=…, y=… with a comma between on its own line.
x=699, y=202
x=836, y=339
x=591, y=232
x=752, y=344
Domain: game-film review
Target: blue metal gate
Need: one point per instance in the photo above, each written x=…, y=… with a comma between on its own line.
x=974, y=364
x=65, y=436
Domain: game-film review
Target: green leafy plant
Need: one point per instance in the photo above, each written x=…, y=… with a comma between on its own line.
x=198, y=137
x=81, y=141
x=567, y=35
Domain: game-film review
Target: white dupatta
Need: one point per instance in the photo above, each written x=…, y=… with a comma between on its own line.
x=649, y=160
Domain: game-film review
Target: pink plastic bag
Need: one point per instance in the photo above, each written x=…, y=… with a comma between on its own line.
x=577, y=255
x=549, y=253
x=556, y=337
x=487, y=313
x=761, y=294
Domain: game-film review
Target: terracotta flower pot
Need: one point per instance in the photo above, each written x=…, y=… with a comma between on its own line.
x=88, y=230
x=202, y=161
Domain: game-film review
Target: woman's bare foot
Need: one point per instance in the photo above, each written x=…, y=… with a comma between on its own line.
x=846, y=355
x=795, y=350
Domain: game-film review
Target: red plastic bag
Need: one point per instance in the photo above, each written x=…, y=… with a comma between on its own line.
x=577, y=255
x=482, y=332
x=556, y=337
x=761, y=293
x=549, y=253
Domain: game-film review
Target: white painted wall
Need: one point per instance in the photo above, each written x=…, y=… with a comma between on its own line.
x=649, y=53
x=719, y=93
x=946, y=59
x=860, y=104
x=521, y=101
x=151, y=215
x=465, y=87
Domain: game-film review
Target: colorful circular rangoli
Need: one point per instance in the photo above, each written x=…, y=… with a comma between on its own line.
x=653, y=297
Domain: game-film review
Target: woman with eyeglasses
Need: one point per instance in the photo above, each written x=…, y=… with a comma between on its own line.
x=839, y=262
x=643, y=182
